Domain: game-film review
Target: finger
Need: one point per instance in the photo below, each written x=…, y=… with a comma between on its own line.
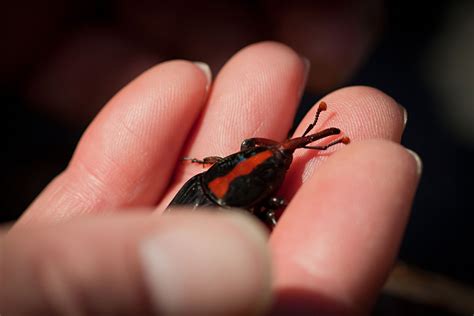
x=343, y=228
x=336, y=37
x=255, y=94
x=260, y=85
x=127, y=154
x=130, y=264
x=361, y=113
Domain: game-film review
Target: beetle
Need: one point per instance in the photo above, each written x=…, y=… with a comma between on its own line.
x=250, y=178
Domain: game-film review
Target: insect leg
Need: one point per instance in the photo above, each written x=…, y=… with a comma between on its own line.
x=322, y=107
x=254, y=142
x=206, y=161
x=343, y=140
x=271, y=218
x=267, y=210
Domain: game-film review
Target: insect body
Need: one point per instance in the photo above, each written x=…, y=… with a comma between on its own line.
x=250, y=178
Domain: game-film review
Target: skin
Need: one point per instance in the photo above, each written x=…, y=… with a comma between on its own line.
x=76, y=249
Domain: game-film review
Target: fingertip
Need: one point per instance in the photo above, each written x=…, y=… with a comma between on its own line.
x=249, y=226
x=132, y=140
x=361, y=112
x=206, y=71
x=204, y=263
x=418, y=162
x=384, y=155
x=208, y=264
x=369, y=113
x=179, y=70
x=277, y=47
x=273, y=60
x=341, y=232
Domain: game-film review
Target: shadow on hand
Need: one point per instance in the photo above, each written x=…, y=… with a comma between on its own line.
x=297, y=301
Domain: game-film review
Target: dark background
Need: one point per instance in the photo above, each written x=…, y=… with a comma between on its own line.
x=37, y=146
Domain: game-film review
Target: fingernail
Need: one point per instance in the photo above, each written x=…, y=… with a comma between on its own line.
x=206, y=70
x=307, y=64
x=419, y=163
x=405, y=114
x=307, y=67
x=197, y=267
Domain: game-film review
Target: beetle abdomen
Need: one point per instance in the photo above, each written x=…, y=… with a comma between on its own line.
x=192, y=194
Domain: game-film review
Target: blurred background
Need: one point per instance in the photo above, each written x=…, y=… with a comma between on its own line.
x=62, y=60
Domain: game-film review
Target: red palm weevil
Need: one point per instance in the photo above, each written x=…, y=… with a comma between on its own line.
x=250, y=178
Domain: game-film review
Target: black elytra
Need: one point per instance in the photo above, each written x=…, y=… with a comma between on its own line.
x=250, y=178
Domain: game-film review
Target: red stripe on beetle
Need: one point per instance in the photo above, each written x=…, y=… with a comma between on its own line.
x=219, y=186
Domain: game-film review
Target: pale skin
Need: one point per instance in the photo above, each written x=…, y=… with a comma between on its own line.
x=330, y=252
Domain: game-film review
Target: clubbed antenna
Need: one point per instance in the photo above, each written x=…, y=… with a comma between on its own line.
x=343, y=140
x=322, y=107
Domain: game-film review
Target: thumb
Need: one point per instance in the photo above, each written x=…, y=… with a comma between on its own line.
x=184, y=263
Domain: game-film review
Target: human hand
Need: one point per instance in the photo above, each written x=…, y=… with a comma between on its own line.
x=330, y=252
